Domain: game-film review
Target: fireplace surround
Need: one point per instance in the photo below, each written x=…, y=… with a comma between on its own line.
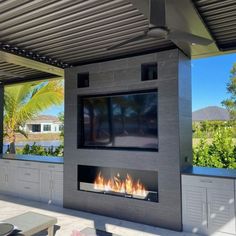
x=174, y=151
x=120, y=182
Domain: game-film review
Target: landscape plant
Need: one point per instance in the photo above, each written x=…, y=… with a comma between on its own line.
x=220, y=153
x=24, y=102
x=230, y=103
x=208, y=128
x=42, y=151
x=61, y=118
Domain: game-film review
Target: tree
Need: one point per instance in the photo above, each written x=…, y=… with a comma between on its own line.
x=61, y=118
x=25, y=101
x=230, y=103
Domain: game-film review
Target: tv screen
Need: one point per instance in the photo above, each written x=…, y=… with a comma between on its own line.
x=125, y=120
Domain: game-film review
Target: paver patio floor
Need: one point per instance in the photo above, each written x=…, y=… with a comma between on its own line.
x=70, y=220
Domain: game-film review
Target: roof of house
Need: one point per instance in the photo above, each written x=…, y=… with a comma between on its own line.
x=44, y=119
x=211, y=113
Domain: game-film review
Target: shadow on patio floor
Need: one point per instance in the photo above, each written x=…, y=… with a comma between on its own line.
x=69, y=220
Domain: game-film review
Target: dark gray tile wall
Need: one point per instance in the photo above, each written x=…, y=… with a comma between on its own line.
x=174, y=114
x=185, y=111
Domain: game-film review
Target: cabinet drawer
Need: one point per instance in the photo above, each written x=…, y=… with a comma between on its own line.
x=28, y=190
x=28, y=174
x=29, y=164
x=53, y=167
x=8, y=162
x=208, y=182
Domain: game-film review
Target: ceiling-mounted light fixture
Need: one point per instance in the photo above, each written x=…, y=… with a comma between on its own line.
x=32, y=55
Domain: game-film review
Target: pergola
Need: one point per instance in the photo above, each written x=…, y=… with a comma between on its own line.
x=40, y=38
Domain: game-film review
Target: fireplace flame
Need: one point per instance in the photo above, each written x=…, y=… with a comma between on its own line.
x=116, y=184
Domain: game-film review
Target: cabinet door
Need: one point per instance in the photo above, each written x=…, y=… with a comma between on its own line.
x=194, y=209
x=11, y=180
x=3, y=178
x=57, y=187
x=45, y=186
x=221, y=211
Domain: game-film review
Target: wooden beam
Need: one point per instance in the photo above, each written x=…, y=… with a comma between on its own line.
x=29, y=63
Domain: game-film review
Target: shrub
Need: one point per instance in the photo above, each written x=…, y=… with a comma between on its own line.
x=209, y=128
x=42, y=151
x=221, y=153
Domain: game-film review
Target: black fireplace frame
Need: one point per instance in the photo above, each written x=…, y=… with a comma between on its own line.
x=149, y=179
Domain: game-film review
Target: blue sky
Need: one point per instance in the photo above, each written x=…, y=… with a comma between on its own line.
x=209, y=79
x=55, y=110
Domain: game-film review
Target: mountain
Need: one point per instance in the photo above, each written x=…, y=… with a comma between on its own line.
x=211, y=113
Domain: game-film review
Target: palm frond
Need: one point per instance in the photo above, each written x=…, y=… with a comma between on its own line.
x=22, y=132
x=25, y=101
x=47, y=96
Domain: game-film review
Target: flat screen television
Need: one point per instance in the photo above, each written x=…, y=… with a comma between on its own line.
x=119, y=121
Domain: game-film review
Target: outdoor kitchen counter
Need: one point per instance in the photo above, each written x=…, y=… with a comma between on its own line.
x=210, y=172
x=34, y=158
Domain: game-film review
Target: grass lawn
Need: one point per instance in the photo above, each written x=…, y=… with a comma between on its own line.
x=37, y=137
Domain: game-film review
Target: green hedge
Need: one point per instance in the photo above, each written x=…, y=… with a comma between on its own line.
x=220, y=153
x=209, y=128
x=41, y=151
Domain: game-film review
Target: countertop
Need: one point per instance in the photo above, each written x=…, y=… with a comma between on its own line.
x=46, y=159
x=210, y=172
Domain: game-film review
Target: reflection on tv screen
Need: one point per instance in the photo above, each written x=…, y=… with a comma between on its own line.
x=122, y=121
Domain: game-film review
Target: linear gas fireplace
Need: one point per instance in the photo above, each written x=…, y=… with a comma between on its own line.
x=128, y=183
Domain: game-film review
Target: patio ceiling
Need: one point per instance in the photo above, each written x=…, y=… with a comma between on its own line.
x=11, y=71
x=74, y=31
x=14, y=68
x=220, y=18
x=62, y=33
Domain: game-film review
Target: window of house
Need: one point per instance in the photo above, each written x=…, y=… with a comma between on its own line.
x=36, y=128
x=46, y=127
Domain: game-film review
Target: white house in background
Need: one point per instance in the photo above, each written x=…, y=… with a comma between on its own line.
x=43, y=124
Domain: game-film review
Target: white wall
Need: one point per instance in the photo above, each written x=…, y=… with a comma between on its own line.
x=54, y=128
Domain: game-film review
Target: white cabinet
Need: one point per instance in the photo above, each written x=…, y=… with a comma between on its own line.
x=221, y=211
x=7, y=177
x=11, y=180
x=208, y=205
x=28, y=190
x=45, y=186
x=51, y=184
x=194, y=209
x=57, y=188
x=32, y=180
x=28, y=183
x=28, y=174
x=3, y=178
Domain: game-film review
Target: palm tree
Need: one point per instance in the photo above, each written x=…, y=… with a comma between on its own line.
x=25, y=101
